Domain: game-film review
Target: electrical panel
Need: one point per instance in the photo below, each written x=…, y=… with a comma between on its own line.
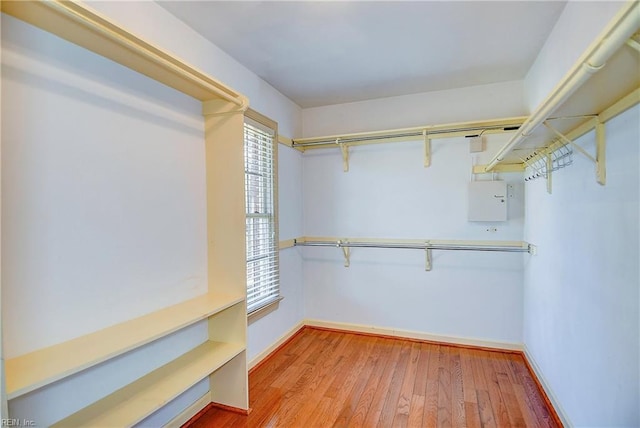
x=487, y=201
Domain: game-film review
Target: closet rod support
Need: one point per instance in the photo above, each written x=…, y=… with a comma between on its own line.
x=346, y=251
x=345, y=155
x=632, y=42
x=428, y=257
x=427, y=149
x=601, y=145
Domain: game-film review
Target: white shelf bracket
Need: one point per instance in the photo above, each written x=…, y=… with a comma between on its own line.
x=345, y=155
x=632, y=42
x=600, y=159
x=427, y=149
x=346, y=251
x=569, y=141
x=428, y=263
x=549, y=172
x=601, y=145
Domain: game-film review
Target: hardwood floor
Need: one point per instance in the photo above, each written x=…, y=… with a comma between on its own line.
x=324, y=378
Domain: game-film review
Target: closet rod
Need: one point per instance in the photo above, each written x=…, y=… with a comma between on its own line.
x=414, y=132
x=425, y=246
x=623, y=26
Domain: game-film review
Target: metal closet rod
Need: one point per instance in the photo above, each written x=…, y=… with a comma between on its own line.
x=416, y=246
x=405, y=134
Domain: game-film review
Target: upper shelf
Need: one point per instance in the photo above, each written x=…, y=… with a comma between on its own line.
x=84, y=27
x=446, y=130
x=603, y=83
x=31, y=371
x=618, y=78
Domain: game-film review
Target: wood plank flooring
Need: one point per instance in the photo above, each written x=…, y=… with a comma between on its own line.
x=324, y=378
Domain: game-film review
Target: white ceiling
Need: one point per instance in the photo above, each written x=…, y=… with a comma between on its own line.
x=324, y=52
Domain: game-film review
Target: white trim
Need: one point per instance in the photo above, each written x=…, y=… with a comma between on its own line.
x=264, y=354
x=564, y=418
x=407, y=334
x=189, y=412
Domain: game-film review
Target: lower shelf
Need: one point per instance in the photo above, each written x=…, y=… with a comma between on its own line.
x=131, y=404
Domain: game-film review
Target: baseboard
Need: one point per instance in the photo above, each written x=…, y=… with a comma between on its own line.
x=414, y=335
x=262, y=356
x=546, y=388
x=244, y=412
x=187, y=414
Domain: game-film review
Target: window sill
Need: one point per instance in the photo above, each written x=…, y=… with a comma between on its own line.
x=266, y=308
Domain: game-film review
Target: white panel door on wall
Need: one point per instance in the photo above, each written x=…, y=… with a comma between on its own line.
x=487, y=201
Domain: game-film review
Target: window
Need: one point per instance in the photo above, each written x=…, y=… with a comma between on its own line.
x=263, y=271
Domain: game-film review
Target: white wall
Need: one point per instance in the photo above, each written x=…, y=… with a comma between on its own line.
x=581, y=322
x=428, y=108
x=151, y=22
x=104, y=200
x=157, y=26
x=388, y=193
x=581, y=318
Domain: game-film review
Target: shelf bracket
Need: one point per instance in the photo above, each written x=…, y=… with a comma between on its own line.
x=549, y=172
x=601, y=145
x=569, y=141
x=345, y=155
x=428, y=262
x=427, y=149
x=600, y=159
x=346, y=251
x=634, y=44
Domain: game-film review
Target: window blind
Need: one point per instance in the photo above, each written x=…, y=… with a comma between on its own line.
x=263, y=273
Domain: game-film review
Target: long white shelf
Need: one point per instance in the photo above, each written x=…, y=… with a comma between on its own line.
x=131, y=404
x=34, y=370
x=81, y=25
x=604, y=75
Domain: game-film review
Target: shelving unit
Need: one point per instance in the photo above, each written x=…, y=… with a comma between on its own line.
x=603, y=83
x=425, y=133
x=31, y=371
x=138, y=400
x=131, y=404
x=222, y=358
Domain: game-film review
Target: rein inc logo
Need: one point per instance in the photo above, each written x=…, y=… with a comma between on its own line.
x=15, y=422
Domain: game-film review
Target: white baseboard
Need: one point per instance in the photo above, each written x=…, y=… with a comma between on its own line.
x=407, y=334
x=264, y=354
x=547, y=388
x=189, y=412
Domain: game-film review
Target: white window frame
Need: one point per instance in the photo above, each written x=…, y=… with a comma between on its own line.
x=261, y=211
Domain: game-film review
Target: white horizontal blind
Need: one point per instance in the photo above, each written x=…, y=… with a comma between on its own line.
x=263, y=271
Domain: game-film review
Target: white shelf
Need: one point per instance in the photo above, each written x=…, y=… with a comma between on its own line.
x=223, y=109
x=31, y=371
x=81, y=25
x=617, y=79
x=136, y=401
x=603, y=83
